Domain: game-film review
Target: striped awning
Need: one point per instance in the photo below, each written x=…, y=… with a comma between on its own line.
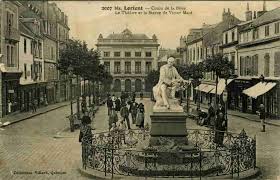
x=259, y=89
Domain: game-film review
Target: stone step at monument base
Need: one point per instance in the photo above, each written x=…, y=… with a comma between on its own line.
x=182, y=171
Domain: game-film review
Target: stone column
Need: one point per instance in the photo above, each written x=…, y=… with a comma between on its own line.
x=122, y=84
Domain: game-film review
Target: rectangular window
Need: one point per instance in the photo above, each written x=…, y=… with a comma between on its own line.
x=148, y=54
x=266, y=31
x=117, y=54
x=107, y=66
x=255, y=33
x=12, y=57
x=127, y=54
x=277, y=64
x=148, y=67
x=137, y=54
x=31, y=69
x=8, y=55
x=24, y=46
x=226, y=38
x=138, y=67
x=232, y=36
x=25, y=71
x=242, y=66
x=117, y=67
x=106, y=54
x=266, y=64
x=127, y=67
x=255, y=65
x=277, y=27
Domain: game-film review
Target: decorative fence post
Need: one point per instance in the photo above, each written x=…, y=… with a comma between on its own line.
x=105, y=163
x=112, y=163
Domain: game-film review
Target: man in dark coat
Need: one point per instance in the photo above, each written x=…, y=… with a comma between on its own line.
x=220, y=126
x=125, y=113
x=133, y=111
x=118, y=104
x=210, y=120
x=109, y=105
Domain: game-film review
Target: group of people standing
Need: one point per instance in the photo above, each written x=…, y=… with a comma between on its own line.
x=124, y=107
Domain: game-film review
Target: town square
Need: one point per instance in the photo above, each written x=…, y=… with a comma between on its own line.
x=90, y=94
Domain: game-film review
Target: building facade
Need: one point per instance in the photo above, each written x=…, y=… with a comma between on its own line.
x=259, y=55
x=129, y=58
x=9, y=64
x=201, y=43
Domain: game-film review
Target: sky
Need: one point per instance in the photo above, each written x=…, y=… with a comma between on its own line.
x=87, y=19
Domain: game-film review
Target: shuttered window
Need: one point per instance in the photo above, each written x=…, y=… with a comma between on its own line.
x=277, y=64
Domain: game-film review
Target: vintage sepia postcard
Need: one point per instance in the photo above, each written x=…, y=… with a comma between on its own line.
x=138, y=90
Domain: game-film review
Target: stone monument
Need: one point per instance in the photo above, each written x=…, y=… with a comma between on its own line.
x=168, y=120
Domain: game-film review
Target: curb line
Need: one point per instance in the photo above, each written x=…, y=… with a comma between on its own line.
x=38, y=114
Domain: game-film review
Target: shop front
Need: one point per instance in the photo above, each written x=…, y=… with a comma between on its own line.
x=10, y=92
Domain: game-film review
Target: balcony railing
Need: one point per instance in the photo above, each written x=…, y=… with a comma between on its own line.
x=12, y=34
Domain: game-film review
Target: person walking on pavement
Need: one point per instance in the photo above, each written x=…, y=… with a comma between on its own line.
x=114, y=101
x=109, y=105
x=140, y=116
x=133, y=110
x=85, y=138
x=118, y=104
x=220, y=125
x=262, y=116
x=210, y=120
x=84, y=104
x=125, y=114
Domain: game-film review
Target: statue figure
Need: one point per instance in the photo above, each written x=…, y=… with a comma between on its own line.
x=169, y=82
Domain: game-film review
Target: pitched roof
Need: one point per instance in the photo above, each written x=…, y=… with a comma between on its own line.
x=126, y=34
x=25, y=30
x=267, y=17
x=214, y=36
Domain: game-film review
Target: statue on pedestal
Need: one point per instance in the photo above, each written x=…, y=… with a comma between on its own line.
x=169, y=82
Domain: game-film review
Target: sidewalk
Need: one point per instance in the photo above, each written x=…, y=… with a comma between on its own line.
x=247, y=116
x=10, y=119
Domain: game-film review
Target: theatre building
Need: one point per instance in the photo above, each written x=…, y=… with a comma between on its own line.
x=129, y=58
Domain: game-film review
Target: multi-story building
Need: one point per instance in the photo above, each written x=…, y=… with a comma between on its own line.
x=9, y=62
x=31, y=61
x=258, y=55
x=203, y=42
x=129, y=58
x=31, y=64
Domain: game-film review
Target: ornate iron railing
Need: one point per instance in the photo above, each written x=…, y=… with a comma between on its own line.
x=116, y=153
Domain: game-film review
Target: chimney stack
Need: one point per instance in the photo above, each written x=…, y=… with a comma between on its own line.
x=248, y=14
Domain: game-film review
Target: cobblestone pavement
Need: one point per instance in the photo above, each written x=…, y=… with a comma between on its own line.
x=29, y=146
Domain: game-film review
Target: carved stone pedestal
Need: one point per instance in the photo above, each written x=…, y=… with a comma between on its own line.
x=169, y=127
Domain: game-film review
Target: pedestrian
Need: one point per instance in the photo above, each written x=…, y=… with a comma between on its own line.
x=140, y=116
x=220, y=127
x=133, y=96
x=141, y=95
x=113, y=118
x=125, y=114
x=109, y=105
x=10, y=105
x=85, y=138
x=121, y=130
x=114, y=101
x=35, y=103
x=133, y=111
x=84, y=104
x=262, y=116
x=210, y=120
x=118, y=104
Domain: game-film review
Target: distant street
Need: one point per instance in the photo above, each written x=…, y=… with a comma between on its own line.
x=30, y=146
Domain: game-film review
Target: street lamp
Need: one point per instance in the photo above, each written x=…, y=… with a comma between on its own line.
x=70, y=73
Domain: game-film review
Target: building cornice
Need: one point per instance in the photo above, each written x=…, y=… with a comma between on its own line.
x=229, y=44
x=258, y=42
